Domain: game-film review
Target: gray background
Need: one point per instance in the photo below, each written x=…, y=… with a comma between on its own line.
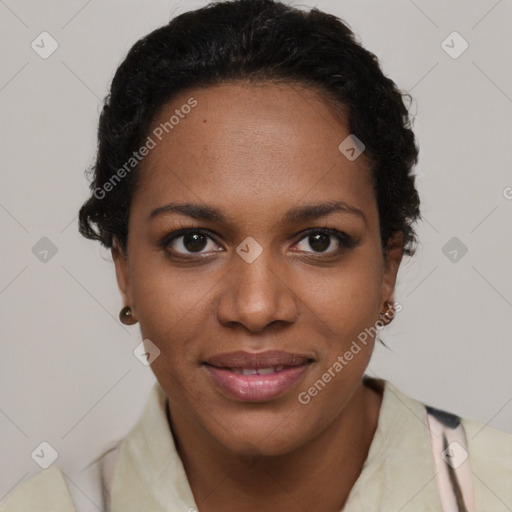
x=68, y=375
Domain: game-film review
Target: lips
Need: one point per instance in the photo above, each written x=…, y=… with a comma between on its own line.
x=256, y=376
x=270, y=358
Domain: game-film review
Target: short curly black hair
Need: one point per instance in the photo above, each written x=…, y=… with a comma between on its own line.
x=254, y=40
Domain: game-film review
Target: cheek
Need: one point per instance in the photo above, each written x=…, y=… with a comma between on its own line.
x=348, y=296
x=346, y=308
x=170, y=306
x=160, y=291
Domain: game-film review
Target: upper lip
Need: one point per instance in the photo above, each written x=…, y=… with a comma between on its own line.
x=241, y=359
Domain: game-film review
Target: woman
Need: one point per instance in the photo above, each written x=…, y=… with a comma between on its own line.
x=254, y=183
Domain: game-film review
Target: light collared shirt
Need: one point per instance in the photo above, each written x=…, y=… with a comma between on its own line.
x=144, y=473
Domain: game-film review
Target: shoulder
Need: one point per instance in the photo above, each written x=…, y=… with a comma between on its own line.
x=45, y=491
x=50, y=490
x=485, y=442
x=488, y=450
x=490, y=457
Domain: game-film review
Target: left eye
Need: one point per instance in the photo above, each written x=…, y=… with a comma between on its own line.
x=321, y=240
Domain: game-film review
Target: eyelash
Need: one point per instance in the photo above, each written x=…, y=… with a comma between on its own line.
x=344, y=240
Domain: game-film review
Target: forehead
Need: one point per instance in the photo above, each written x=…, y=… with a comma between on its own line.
x=248, y=144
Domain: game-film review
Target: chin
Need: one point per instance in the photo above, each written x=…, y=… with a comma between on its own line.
x=254, y=449
x=261, y=435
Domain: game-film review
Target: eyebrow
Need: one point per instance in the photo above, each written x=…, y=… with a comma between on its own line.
x=296, y=214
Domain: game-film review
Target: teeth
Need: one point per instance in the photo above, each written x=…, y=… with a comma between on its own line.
x=257, y=371
x=262, y=371
x=272, y=369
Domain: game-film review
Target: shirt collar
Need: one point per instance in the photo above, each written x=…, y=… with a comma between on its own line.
x=149, y=474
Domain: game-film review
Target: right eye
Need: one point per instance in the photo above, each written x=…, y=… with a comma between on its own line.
x=188, y=242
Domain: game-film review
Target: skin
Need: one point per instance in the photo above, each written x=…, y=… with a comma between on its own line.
x=256, y=151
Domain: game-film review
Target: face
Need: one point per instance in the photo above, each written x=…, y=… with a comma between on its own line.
x=253, y=263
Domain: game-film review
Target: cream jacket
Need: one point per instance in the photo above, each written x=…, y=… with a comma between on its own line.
x=144, y=472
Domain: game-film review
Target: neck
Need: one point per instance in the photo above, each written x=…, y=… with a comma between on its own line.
x=317, y=476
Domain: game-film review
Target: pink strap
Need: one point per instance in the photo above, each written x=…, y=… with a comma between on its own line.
x=451, y=461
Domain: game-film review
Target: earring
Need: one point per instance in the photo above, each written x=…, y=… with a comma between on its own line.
x=387, y=315
x=126, y=316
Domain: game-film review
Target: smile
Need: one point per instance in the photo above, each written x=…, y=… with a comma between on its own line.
x=256, y=377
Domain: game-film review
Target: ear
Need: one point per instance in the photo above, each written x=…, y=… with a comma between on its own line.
x=393, y=257
x=122, y=272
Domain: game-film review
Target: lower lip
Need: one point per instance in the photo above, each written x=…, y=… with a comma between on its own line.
x=256, y=388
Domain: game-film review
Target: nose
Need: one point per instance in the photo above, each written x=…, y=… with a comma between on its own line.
x=256, y=295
